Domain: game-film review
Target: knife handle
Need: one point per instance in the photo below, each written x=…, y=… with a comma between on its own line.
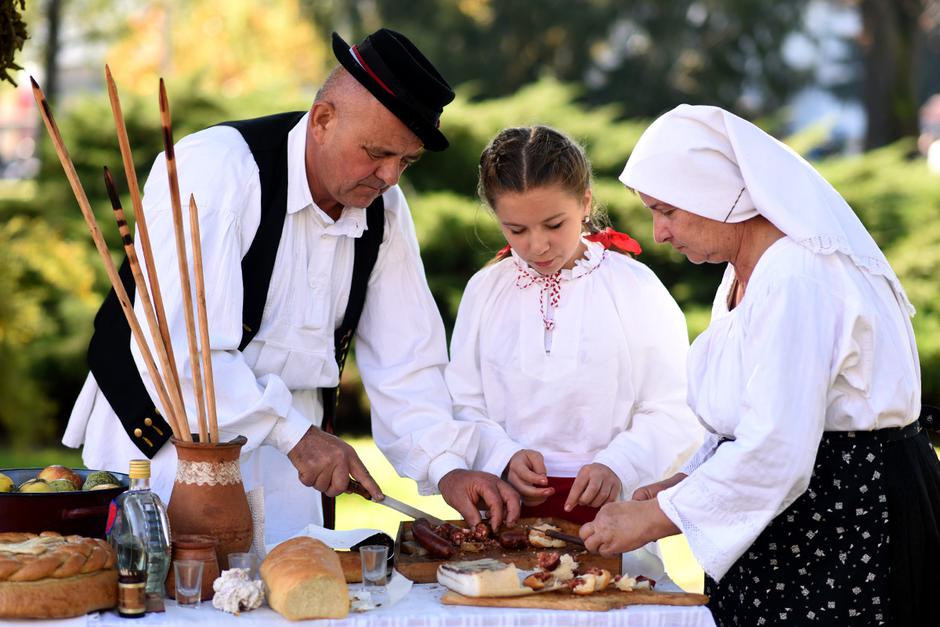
x=357, y=488
x=576, y=540
x=558, y=535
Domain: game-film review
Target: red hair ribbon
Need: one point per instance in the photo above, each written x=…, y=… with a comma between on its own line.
x=611, y=238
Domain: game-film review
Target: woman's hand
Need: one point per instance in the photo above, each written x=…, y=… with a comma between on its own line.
x=647, y=492
x=595, y=485
x=526, y=473
x=625, y=526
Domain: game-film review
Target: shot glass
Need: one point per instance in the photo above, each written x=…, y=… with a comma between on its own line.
x=374, y=567
x=248, y=561
x=188, y=575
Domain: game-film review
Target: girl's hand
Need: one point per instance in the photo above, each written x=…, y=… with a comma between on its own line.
x=647, y=492
x=526, y=473
x=595, y=485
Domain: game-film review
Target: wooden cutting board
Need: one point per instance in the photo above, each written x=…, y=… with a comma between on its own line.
x=610, y=599
x=424, y=569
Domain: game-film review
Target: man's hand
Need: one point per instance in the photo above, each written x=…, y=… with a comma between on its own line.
x=595, y=485
x=468, y=491
x=647, y=492
x=626, y=525
x=324, y=462
x=526, y=473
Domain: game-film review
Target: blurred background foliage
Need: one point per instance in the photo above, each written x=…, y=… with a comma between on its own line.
x=599, y=70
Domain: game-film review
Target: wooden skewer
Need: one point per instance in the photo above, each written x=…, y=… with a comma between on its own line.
x=185, y=285
x=203, y=318
x=173, y=379
x=142, y=293
x=79, y=192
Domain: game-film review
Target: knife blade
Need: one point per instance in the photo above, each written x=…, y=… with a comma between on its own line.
x=357, y=488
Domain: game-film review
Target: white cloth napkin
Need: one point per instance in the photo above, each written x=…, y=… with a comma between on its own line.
x=333, y=538
x=646, y=561
x=363, y=599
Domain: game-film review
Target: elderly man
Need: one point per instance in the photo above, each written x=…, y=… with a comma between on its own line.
x=307, y=241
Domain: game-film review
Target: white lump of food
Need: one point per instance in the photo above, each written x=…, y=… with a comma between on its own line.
x=603, y=579
x=538, y=538
x=625, y=582
x=361, y=601
x=235, y=592
x=481, y=578
x=565, y=569
x=585, y=584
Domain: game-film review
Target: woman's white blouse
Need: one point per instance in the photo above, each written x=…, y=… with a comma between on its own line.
x=815, y=345
x=611, y=389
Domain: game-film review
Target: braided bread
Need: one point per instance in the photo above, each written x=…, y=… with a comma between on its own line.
x=54, y=576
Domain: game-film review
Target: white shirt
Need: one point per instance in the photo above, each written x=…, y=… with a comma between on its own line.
x=815, y=345
x=269, y=392
x=607, y=386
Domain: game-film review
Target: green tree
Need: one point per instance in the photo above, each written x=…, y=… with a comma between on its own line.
x=646, y=56
x=43, y=322
x=12, y=36
x=896, y=41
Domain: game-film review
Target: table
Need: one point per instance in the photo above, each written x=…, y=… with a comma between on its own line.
x=420, y=608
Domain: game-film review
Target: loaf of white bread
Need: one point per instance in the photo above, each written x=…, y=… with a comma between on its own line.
x=304, y=579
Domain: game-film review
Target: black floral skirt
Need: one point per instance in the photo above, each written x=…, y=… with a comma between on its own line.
x=860, y=547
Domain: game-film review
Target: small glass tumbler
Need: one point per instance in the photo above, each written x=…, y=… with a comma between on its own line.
x=188, y=575
x=374, y=568
x=248, y=561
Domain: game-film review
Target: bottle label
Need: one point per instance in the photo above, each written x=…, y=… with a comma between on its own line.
x=112, y=514
x=131, y=598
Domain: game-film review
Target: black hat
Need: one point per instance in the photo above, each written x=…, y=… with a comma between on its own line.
x=402, y=79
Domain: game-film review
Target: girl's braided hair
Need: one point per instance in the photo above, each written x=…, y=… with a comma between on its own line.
x=529, y=157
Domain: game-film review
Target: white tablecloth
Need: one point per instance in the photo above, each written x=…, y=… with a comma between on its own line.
x=422, y=608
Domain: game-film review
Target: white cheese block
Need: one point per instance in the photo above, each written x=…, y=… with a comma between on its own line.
x=482, y=578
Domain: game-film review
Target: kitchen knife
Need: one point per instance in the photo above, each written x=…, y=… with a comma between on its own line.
x=570, y=539
x=357, y=488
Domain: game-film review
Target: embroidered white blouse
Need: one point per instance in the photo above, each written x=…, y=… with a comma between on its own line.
x=269, y=392
x=605, y=384
x=815, y=345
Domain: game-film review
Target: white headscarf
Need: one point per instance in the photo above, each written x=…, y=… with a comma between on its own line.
x=712, y=163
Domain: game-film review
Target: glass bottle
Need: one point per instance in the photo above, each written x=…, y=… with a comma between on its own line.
x=141, y=515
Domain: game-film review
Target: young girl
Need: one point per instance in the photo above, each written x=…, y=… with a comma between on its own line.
x=569, y=356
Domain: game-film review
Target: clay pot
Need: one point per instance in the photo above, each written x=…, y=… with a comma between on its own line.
x=198, y=548
x=208, y=497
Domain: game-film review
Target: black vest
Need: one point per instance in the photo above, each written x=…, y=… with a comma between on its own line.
x=109, y=354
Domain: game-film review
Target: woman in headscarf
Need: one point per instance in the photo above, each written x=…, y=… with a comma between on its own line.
x=816, y=496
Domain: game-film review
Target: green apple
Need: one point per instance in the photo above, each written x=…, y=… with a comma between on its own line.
x=35, y=486
x=100, y=477
x=62, y=485
x=6, y=484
